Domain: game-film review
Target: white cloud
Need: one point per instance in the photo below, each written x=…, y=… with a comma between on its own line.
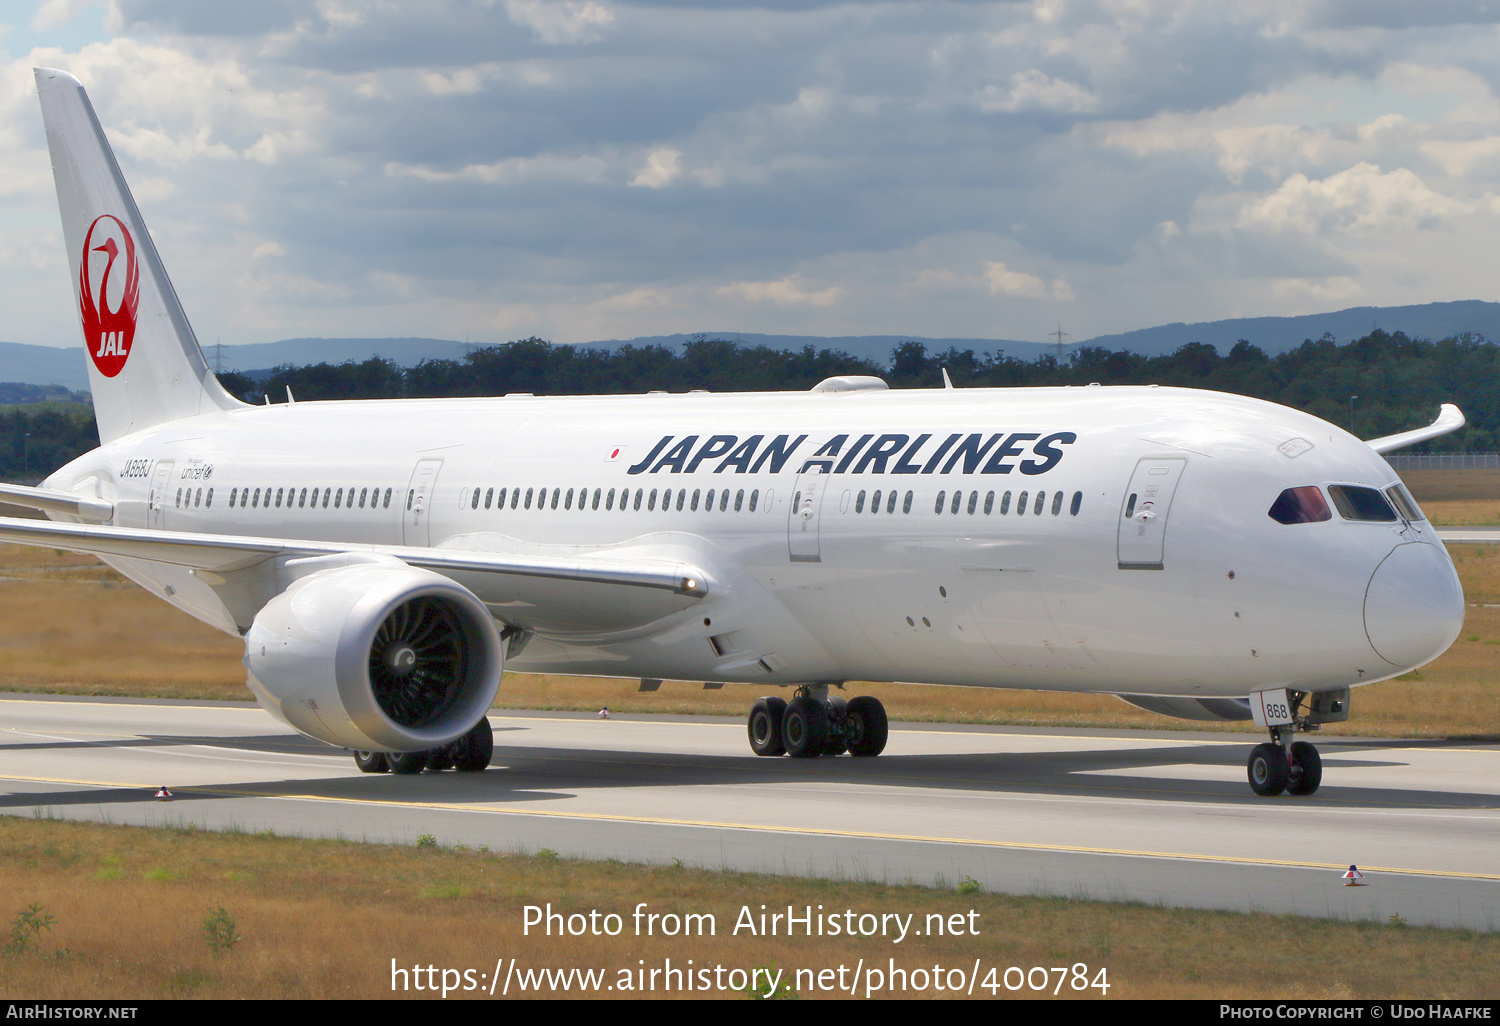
x=562, y=22
x=784, y=292
x=1035, y=90
x=54, y=14
x=1359, y=200
x=661, y=170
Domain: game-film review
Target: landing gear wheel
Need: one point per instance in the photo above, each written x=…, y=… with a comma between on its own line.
x=439, y=759
x=764, y=726
x=406, y=763
x=471, y=753
x=804, y=728
x=1305, y=770
x=1268, y=770
x=371, y=762
x=838, y=714
x=866, y=725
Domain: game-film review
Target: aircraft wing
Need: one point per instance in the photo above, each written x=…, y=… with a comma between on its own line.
x=1450, y=418
x=84, y=508
x=222, y=554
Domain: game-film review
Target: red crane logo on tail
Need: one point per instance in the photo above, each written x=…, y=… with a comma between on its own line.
x=108, y=294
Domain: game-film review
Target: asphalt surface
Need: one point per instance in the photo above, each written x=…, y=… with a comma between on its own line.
x=1156, y=817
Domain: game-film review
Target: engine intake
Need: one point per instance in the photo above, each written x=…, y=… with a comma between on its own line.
x=375, y=657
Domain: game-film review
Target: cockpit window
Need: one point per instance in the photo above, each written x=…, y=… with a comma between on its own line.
x=1356, y=503
x=1404, y=503
x=1300, y=506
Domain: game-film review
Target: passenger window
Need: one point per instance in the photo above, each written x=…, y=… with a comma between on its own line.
x=890, y=502
x=958, y=497
x=596, y=498
x=489, y=497
x=723, y=500
x=637, y=505
x=385, y=503
x=529, y=493
x=651, y=502
x=568, y=503
x=739, y=499
x=1005, y=504
x=179, y=498
x=198, y=499
x=754, y=498
x=556, y=492
x=937, y=507
x=875, y=502
x=693, y=506
x=1057, y=503
x=1129, y=505
x=708, y=504
x=208, y=500
x=859, y=502
x=1041, y=498
x=1356, y=503
x=279, y=493
x=989, y=503
x=1021, y=503
x=233, y=494
x=906, y=504
x=363, y=494
x=609, y=501
x=681, y=498
x=1077, y=502
x=1303, y=505
x=325, y=497
x=973, y=502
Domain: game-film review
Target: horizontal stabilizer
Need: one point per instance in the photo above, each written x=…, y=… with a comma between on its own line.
x=1449, y=419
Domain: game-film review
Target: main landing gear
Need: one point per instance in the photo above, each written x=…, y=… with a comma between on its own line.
x=812, y=724
x=1285, y=764
x=469, y=754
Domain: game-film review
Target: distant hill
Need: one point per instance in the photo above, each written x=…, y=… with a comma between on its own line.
x=1279, y=334
x=45, y=365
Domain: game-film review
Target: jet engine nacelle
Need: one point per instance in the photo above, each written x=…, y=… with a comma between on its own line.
x=375, y=657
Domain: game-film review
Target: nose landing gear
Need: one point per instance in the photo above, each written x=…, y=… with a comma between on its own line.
x=813, y=724
x=1287, y=765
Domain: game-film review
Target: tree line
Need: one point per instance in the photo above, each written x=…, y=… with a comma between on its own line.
x=1375, y=385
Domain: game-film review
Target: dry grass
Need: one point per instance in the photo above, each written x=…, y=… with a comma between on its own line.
x=323, y=919
x=69, y=625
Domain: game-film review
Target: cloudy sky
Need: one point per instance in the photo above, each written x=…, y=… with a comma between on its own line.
x=583, y=169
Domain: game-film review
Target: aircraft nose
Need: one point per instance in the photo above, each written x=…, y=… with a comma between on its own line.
x=1414, y=605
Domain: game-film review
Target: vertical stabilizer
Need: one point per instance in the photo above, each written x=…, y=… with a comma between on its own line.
x=145, y=365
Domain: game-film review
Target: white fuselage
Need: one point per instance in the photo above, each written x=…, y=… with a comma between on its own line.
x=1207, y=597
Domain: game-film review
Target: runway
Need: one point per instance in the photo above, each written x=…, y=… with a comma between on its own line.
x=1157, y=817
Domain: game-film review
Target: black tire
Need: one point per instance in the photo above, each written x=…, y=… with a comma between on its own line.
x=472, y=752
x=1268, y=770
x=838, y=731
x=1306, y=769
x=866, y=726
x=371, y=762
x=406, y=763
x=439, y=759
x=804, y=728
x=764, y=726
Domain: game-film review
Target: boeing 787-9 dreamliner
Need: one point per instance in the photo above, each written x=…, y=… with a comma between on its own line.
x=1199, y=554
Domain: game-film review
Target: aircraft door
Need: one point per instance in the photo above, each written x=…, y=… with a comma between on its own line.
x=802, y=523
x=156, y=502
x=1143, y=519
x=414, y=529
